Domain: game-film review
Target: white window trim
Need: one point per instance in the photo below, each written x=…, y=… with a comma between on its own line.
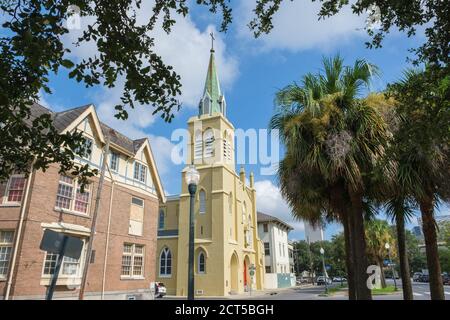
x=133, y=254
x=72, y=210
x=6, y=195
x=7, y=245
x=139, y=173
x=62, y=276
x=165, y=275
x=117, y=162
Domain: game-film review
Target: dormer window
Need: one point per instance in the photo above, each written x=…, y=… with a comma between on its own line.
x=140, y=172
x=114, y=162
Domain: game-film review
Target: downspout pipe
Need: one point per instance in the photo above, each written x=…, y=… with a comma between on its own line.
x=19, y=233
x=107, y=232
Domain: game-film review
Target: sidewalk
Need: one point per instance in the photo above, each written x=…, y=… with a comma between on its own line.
x=243, y=296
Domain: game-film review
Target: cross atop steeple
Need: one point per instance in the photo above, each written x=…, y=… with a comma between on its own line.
x=212, y=41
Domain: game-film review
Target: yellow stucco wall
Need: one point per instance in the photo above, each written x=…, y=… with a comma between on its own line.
x=219, y=233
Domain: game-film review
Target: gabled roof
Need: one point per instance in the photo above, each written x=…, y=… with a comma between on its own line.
x=66, y=119
x=63, y=119
x=263, y=217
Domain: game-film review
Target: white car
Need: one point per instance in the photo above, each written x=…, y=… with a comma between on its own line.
x=160, y=290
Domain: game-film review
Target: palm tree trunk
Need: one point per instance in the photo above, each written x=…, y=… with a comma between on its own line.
x=429, y=232
x=383, y=277
x=349, y=257
x=403, y=256
x=362, y=291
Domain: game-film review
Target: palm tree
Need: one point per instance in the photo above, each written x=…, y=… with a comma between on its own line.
x=378, y=234
x=422, y=154
x=333, y=141
x=401, y=210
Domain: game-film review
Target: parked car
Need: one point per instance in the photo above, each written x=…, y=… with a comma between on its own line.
x=446, y=279
x=160, y=290
x=321, y=281
x=424, y=278
x=339, y=279
x=416, y=276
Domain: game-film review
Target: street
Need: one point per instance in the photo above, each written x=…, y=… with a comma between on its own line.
x=421, y=292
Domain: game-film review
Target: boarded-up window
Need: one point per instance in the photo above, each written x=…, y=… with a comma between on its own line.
x=136, y=217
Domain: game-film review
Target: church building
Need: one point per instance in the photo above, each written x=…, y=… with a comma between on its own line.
x=228, y=253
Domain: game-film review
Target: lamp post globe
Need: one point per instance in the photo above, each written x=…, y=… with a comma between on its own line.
x=322, y=252
x=387, y=246
x=192, y=177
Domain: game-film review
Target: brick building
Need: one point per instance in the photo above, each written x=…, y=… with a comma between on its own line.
x=123, y=261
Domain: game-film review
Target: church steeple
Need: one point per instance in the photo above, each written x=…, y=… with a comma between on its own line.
x=212, y=101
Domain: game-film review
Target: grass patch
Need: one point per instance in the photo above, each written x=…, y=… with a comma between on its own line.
x=387, y=290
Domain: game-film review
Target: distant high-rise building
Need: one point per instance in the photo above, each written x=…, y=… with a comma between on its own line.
x=313, y=233
x=417, y=230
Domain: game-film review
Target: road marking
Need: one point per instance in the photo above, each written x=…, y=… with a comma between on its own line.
x=417, y=294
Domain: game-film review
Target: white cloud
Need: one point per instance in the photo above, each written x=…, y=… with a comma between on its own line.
x=270, y=201
x=162, y=149
x=186, y=48
x=297, y=28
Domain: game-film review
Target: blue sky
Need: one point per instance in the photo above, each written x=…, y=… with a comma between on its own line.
x=250, y=71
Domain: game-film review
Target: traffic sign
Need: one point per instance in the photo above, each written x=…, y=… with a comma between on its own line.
x=52, y=242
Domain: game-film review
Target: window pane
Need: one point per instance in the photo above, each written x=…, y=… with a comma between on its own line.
x=15, y=191
x=65, y=193
x=70, y=266
x=137, y=168
x=143, y=173
x=139, y=249
x=114, y=161
x=127, y=248
x=50, y=263
x=137, y=266
x=5, y=255
x=137, y=201
x=6, y=237
x=161, y=219
x=126, y=265
x=82, y=200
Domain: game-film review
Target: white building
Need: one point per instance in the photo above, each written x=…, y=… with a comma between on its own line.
x=274, y=234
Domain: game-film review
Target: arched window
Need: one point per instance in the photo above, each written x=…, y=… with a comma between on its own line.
x=230, y=203
x=161, y=219
x=201, y=263
x=165, y=263
x=244, y=212
x=202, y=198
x=198, y=145
x=208, y=138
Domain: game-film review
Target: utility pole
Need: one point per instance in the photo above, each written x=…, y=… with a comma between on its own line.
x=94, y=221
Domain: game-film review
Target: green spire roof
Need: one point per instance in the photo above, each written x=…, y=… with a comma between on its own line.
x=212, y=100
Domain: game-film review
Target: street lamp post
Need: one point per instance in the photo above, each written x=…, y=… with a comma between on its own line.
x=322, y=252
x=192, y=177
x=388, y=248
